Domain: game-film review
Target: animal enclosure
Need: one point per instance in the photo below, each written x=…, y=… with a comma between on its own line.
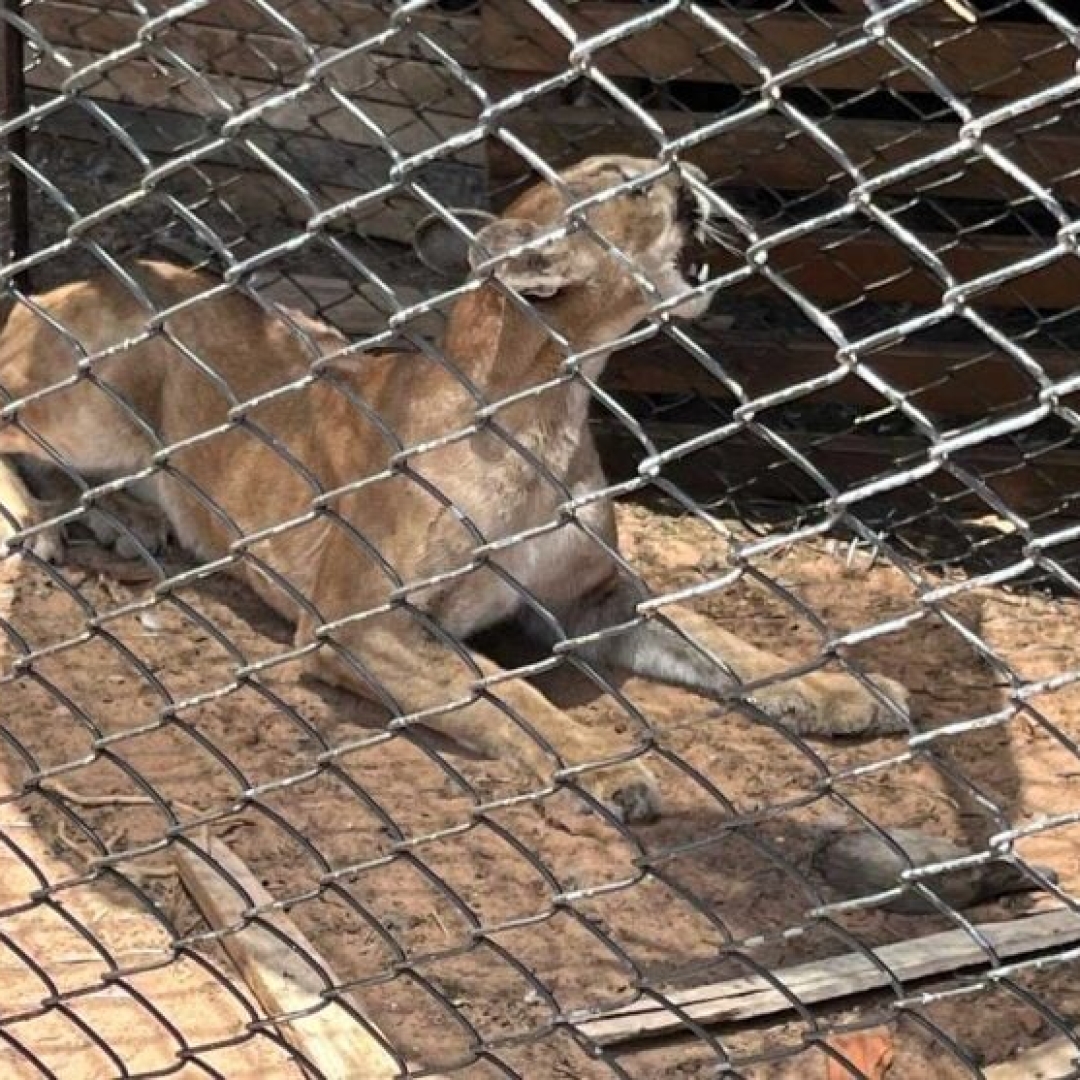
x=862, y=458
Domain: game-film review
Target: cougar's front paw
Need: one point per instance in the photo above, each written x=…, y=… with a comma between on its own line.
x=630, y=792
x=833, y=704
x=46, y=544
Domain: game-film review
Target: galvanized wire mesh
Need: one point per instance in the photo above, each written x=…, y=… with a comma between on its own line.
x=862, y=459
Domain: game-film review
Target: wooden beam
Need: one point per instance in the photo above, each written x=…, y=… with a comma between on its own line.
x=1055, y=1059
x=1031, y=481
x=960, y=8
x=944, y=379
x=769, y=152
x=837, y=267
x=999, y=60
x=348, y=166
x=342, y=23
x=283, y=969
x=315, y=111
x=948, y=953
x=336, y=171
x=265, y=55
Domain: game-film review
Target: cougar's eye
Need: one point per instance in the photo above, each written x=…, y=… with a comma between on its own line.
x=628, y=178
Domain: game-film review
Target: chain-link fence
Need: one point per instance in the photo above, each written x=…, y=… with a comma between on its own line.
x=539, y=539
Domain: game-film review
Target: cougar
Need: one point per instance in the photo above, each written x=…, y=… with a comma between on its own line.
x=394, y=504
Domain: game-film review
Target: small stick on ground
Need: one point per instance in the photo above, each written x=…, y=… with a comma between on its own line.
x=750, y=997
x=78, y=798
x=144, y=871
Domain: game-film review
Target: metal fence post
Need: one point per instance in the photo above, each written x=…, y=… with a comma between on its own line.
x=15, y=222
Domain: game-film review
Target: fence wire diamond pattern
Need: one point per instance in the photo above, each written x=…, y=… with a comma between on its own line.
x=354, y=723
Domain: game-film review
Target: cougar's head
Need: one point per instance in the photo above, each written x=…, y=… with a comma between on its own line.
x=629, y=244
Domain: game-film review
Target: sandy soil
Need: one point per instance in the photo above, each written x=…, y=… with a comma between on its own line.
x=466, y=934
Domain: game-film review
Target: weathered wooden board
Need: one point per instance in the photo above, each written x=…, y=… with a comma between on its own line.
x=283, y=968
x=962, y=9
x=333, y=171
x=953, y=380
x=1001, y=60
x=835, y=267
x=838, y=267
x=745, y=466
x=1055, y=1059
x=261, y=55
x=355, y=308
x=831, y=267
x=771, y=152
x=341, y=23
x=947, y=953
x=312, y=111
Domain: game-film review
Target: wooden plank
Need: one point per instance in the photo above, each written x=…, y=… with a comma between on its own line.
x=258, y=55
x=341, y=23
x=960, y=8
x=145, y=84
x=284, y=970
x=836, y=267
x=335, y=171
x=1031, y=481
x=945, y=379
x=830, y=267
x=998, y=60
x=347, y=166
x=768, y=152
x=1055, y=1059
x=69, y=943
x=947, y=953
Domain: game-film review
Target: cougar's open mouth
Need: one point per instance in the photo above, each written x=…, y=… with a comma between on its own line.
x=693, y=268
x=692, y=215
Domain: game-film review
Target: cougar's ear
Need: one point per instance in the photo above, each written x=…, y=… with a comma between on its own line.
x=541, y=272
x=444, y=248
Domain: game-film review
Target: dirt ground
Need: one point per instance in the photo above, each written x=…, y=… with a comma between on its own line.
x=465, y=935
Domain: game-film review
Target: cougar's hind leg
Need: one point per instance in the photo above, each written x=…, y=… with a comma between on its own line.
x=394, y=657
x=511, y=721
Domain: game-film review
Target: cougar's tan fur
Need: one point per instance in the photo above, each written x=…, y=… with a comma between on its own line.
x=365, y=497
